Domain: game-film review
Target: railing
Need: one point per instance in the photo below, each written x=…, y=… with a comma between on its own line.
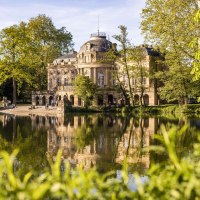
x=98, y=34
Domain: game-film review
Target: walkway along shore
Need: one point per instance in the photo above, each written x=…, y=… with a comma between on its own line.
x=26, y=110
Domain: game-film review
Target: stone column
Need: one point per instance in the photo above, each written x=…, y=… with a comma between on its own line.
x=151, y=99
x=106, y=76
x=95, y=75
x=91, y=74
x=75, y=100
x=33, y=100
x=40, y=101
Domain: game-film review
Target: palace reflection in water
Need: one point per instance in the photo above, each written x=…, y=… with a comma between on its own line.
x=103, y=141
x=98, y=140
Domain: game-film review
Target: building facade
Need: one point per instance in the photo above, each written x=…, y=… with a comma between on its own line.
x=89, y=62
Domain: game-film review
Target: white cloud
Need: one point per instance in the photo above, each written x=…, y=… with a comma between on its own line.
x=81, y=21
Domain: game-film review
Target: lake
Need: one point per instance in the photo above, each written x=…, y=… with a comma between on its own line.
x=103, y=141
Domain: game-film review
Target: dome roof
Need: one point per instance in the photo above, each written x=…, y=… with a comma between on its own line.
x=97, y=42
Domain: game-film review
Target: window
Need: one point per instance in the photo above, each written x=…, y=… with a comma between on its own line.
x=144, y=81
x=87, y=73
x=88, y=46
x=65, y=82
x=79, y=101
x=58, y=82
x=50, y=83
x=100, y=79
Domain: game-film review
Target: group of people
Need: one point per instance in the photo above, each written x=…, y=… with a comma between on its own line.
x=52, y=104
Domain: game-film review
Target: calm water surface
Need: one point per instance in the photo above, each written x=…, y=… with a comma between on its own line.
x=103, y=141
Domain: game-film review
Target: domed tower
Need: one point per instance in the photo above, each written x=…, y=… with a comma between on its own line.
x=92, y=63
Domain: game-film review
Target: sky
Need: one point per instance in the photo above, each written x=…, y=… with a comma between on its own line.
x=80, y=17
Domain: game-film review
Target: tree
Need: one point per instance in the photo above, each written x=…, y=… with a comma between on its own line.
x=169, y=26
x=122, y=61
x=27, y=48
x=178, y=83
x=12, y=44
x=85, y=88
x=46, y=43
x=195, y=45
x=139, y=72
x=112, y=56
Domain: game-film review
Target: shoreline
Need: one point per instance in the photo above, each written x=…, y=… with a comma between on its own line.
x=25, y=110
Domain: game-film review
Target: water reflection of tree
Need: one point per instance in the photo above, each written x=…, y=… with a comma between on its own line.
x=86, y=133
x=91, y=132
x=109, y=139
x=183, y=142
x=134, y=153
x=125, y=122
x=31, y=145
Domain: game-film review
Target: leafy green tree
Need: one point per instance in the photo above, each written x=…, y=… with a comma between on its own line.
x=195, y=45
x=46, y=43
x=139, y=72
x=169, y=26
x=85, y=88
x=112, y=57
x=12, y=43
x=27, y=48
x=178, y=83
x=122, y=60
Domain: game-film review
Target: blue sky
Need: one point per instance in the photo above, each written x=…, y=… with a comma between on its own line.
x=80, y=17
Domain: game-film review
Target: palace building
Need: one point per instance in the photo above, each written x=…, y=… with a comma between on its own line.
x=88, y=61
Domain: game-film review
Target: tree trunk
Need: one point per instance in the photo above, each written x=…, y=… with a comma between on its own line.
x=14, y=91
x=129, y=83
x=141, y=103
x=125, y=95
x=142, y=97
x=122, y=88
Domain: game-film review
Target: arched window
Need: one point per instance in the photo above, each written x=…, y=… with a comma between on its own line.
x=65, y=98
x=50, y=100
x=37, y=99
x=79, y=101
x=100, y=76
x=65, y=82
x=110, y=99
x=43, y=100
x=100, y=100
x=136, y=99
x=50, y=83
x=58, y=82
x=72, y=99
x=146, y=99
